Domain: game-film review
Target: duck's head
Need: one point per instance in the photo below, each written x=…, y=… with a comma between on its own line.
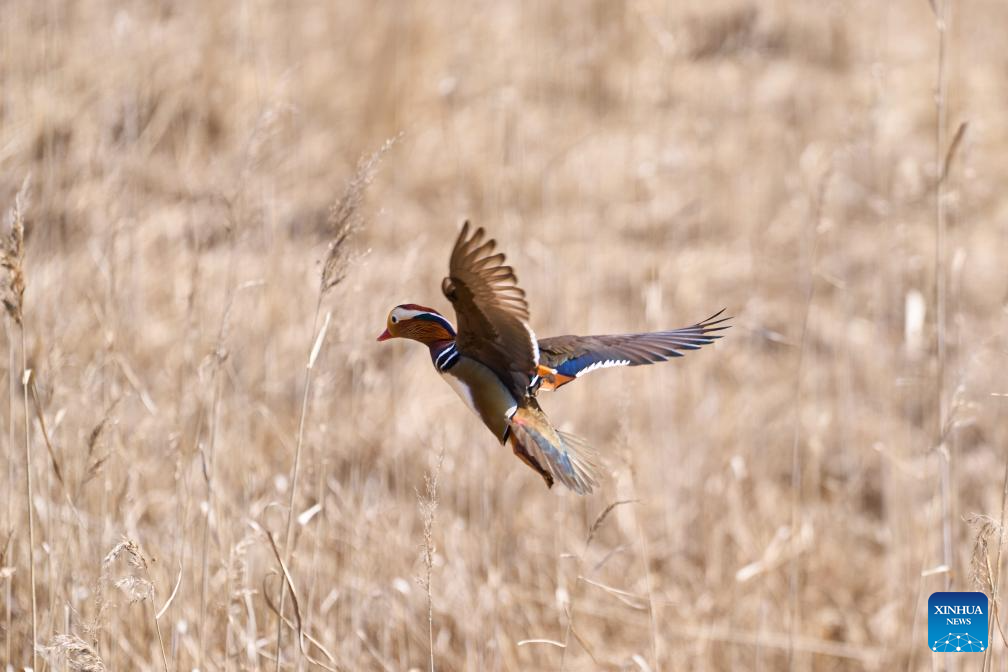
x=417, y=323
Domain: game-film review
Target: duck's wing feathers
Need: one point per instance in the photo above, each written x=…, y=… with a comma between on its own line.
x=564, y=358
x=491, y=310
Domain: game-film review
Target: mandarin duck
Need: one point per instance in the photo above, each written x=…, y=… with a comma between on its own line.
x=496, y=365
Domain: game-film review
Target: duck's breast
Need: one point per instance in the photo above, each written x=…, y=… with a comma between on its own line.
x=484, y=393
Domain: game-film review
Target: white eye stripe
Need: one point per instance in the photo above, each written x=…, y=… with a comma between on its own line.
x=404, y=314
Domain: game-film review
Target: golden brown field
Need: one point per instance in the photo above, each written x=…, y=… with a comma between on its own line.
x=796, y=491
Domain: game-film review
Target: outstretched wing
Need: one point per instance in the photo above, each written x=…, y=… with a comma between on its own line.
x=564, y=358
x=491, y=310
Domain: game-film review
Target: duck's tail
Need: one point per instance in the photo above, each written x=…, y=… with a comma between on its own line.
x=554, y=454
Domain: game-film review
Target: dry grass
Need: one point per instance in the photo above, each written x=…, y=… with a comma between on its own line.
x=642, y=165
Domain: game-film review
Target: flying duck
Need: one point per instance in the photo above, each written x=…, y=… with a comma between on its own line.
x=496, y=365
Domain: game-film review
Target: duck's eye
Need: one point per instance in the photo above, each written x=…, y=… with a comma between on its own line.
x=394, y=319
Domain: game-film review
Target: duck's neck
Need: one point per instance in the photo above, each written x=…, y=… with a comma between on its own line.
x=444, y=354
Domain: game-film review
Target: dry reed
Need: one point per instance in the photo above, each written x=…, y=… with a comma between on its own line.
x=12, y=258
x=427, y=502
x=345, y=221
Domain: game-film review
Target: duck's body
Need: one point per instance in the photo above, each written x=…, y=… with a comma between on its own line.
x=496, y=365
x=482, y=391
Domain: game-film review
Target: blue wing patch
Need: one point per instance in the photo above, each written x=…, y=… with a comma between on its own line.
x=573, y=368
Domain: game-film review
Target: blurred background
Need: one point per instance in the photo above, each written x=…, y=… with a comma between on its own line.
x=797, y=490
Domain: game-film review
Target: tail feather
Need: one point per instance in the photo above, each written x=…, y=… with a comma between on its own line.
x=564, y=457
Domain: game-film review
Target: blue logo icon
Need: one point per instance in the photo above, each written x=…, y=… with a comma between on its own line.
x=957, y=622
